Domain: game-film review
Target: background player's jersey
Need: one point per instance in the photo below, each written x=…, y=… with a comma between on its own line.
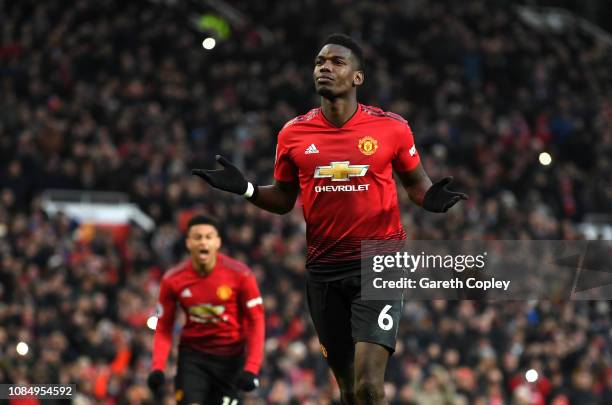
x=346, y=182
x=223, y=312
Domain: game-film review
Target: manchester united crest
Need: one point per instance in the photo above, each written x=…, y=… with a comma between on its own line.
x=368, y=145
x=224, y=292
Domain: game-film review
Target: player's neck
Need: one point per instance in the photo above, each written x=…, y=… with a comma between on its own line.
x=339, y=110
x=206, y=268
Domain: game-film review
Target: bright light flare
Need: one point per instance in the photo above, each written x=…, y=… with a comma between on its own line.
x=545, y=158
x=152, y=322
x=209, y=43
x=531, y=375
x=22, y=348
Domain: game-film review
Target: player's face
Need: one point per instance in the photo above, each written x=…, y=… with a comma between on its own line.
x=203, y=242
x=336, y=72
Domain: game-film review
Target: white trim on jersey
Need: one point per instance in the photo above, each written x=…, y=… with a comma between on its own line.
x=254, y=301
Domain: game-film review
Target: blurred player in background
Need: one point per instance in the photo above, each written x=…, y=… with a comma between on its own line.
x=225, y=322
x=341, y=158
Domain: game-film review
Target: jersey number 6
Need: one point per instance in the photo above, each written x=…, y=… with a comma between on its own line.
x=385, y=322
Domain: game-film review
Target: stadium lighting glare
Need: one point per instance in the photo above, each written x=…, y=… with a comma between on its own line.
x=531, y=375
x=545, y=158
x=152, y=322
x=209, y=43
x=22, y=348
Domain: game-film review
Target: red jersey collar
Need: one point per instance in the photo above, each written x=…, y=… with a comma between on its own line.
x=348, y=123
x=192, y=268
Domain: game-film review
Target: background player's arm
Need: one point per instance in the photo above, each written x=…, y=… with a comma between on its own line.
x=162, y=340
x=278, y=198
x=254, y=324
x=416, y=182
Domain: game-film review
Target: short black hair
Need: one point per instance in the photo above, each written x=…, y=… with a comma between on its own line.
x=202, y=220
x=347, y=42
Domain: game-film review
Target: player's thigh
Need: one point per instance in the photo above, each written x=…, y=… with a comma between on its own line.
x=370, y=363
x=375, y=321
x=330, y=312
x=192, y=383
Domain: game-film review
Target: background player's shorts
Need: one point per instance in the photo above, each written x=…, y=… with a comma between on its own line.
x=341, y=318
x=206, y=379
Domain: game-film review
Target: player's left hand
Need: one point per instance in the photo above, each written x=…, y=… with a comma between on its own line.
x=155, y=381
x=439, y=198
x=247, y=381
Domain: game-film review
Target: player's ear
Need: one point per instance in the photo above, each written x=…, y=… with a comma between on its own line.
x=358, y=78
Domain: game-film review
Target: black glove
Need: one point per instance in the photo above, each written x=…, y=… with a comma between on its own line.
x=156, y=381
x=247, y=381
x=230, y=178
x=439, y=199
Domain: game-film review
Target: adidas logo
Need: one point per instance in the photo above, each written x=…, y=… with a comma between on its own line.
x=186, y=293
x=311, y=149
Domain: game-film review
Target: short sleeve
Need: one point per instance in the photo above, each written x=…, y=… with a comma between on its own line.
x=406, y=157
x=284, y=168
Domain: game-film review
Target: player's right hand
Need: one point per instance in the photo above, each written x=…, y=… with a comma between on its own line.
x=156, y=381
x=230, y=178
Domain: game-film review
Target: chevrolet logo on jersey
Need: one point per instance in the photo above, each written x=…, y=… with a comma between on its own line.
x=340, y=171
x=205, y=313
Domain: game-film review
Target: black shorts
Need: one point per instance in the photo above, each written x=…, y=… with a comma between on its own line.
x=206, y=379
x=341, y=318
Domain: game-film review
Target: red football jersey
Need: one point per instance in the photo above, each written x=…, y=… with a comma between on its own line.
x=346, y=180
x=224, y=312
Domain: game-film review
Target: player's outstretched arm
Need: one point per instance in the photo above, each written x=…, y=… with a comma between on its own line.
x=278, y=198
x=434, y=197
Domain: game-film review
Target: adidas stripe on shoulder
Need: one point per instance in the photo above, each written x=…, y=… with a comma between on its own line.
x=377, y=112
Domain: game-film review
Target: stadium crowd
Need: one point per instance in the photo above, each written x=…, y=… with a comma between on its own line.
x=111, y=95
